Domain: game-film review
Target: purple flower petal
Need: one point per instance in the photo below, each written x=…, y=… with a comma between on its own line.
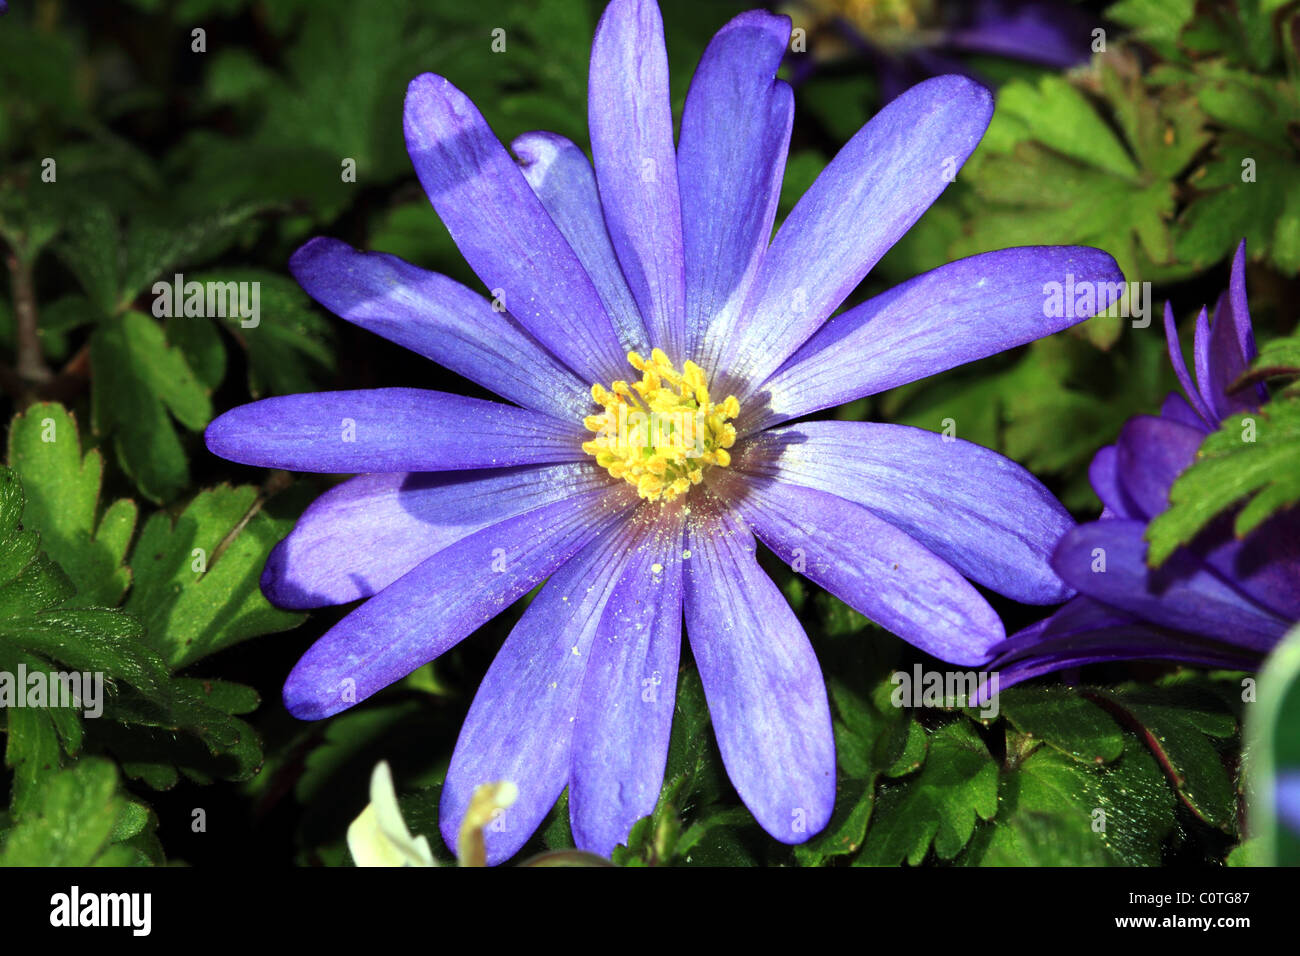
x=389, y=429
x=503, y=231
x=520, y=725
x=873, y=567
x=762, y=682
x=1151, y=453
x=870, y=194
x=1265, y=565
x=1239, y=310
x=1176, y=409
x=1182, y=594
x=1288, y=800
x=563, y=180
x=1055, y=34
x=1201, y=357
x=1103, y=475
x=1180, y=369
x=440, y=319
x=625, y=714
x=957, y=313
x=982, y=513
x=735, y=133
x=1085, y=632
x=1232, y=345
x=393, y=522
x=433, y=607
x=1078, y=615
x=631, y=120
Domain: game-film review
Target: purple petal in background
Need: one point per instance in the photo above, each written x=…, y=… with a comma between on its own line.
x=1238, y=310
x=1265, y=565
x=1182, y=594
x=1151, y=453
x=1288, y=800
x=1052, y=33
x=1201, y=359
x=1085, y=632
x=1177, y=409
x=1232, y=345
x=1103, y=475
x=1208, y=417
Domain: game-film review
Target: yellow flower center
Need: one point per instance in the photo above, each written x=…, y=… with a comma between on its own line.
x=871, y=15
x=660, y=433
x=897, y=25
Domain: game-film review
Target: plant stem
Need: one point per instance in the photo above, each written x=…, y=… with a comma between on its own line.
x=30, y=363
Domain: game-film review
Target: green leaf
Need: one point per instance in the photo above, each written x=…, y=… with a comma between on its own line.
x=116, y=261
x=344, y=750
x=693, y=767
x=74, y=821
x=196, y=575
x=1253, y=457
x=1052, y=169
x=957, y=786
x=32, y=747
x=187, y=732
x=1247, y=185
x=718, y=839
x=1057, y=811
x=154, y=721
x=63, y=490
x=847, y=828
x=1055, y=112
x=291, y=349
x=687, y=809
x=1180, y=725
x=1247, y=853
x=138, y=379
x=1279, y=358
x=1065, y=721
x=1158, y=22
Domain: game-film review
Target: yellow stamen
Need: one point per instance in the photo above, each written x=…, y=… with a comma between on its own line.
x=660, y=433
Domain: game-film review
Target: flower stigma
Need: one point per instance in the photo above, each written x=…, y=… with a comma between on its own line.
x=661, y=433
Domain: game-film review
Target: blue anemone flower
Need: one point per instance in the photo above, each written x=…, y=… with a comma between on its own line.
x=661, y=260
x=1218, y=602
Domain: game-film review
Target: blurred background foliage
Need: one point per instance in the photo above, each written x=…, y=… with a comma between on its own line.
x=130, y=550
